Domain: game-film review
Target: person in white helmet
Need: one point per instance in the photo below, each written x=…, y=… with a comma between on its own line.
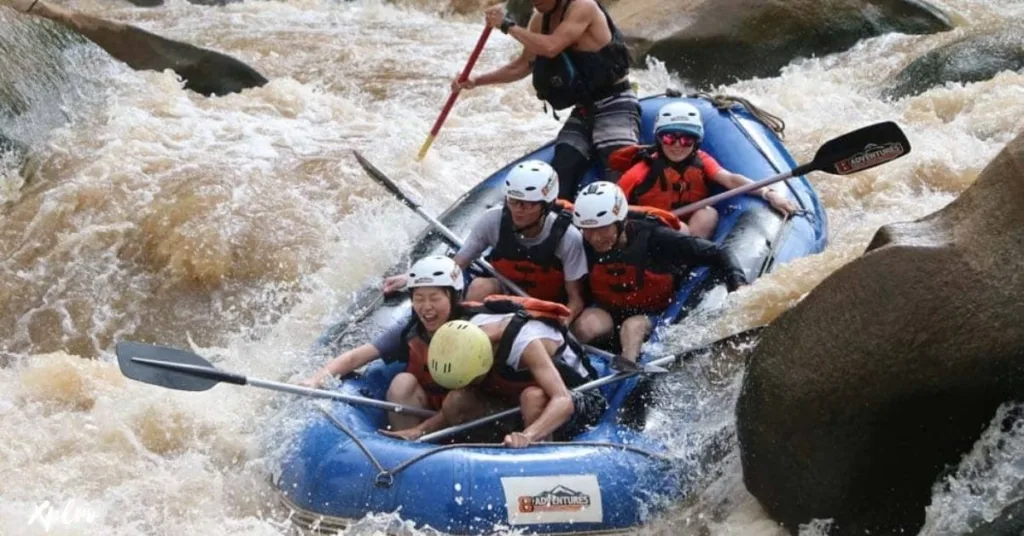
x=675, y=172
x=533, y=242
x=634, y=264
x=436, y=283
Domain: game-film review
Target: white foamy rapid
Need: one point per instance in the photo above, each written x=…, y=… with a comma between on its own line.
x=241, y=226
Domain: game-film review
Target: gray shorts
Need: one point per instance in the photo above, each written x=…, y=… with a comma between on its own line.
x=614, y=124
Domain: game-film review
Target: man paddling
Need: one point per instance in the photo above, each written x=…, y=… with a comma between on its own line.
x=577, y=58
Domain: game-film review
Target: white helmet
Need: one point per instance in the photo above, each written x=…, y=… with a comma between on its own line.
x=600, y=204
x=532, y=181
x=679, y=117
x=435, y=271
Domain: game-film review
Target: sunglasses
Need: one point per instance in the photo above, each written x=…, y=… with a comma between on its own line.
x=682, y=139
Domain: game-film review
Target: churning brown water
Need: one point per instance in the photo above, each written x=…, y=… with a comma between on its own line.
x=240, y=227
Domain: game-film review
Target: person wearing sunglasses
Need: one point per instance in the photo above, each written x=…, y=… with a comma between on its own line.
x=675, y=172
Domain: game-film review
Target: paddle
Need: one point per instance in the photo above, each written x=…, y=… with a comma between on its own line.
x=185, y=371
x=855, y=151
x=617, y=362
x=736, y=339
x=455, y=93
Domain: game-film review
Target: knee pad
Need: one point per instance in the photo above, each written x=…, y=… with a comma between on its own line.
x=571, y=166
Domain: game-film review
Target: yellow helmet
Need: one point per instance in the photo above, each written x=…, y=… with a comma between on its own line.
x=459, y=353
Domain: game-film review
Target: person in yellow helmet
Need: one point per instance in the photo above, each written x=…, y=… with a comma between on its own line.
x=497, y=359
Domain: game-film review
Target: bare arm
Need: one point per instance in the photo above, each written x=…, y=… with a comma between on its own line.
x=575, y=291
x=560, y=406
x=344, y=363
x=577, y=18
x=517, y=69
x=777, y=200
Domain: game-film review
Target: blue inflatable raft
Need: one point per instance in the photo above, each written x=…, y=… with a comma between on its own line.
x=610, y=478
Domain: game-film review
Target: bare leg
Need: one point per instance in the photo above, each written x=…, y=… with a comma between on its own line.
x=405, y=390
x=634, y=331
x=464, y=405
x=593, y=324
x=481, y=288
x=532, y=402
x=703, y=223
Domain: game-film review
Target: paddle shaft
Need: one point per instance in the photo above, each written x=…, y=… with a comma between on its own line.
x=733, y=192
x=455, y=92
x=450, y=236
x=589, y=386
x=211, y=373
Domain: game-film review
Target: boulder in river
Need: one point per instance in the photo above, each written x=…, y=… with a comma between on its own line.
x=859, y=397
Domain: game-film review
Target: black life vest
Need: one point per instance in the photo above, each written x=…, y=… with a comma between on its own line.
x=575, y=77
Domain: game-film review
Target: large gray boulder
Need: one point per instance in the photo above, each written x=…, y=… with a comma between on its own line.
x=858, y=397
x=972, y=58
x=715, y=42
x=204, y=71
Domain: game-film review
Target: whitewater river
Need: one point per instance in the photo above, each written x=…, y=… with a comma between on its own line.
x=241, y=226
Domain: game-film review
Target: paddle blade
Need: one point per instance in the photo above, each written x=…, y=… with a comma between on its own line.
x=164, y=377
x=383, y=180
x=859, y=150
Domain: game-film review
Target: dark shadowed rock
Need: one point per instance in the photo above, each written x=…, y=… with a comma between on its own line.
x=970, y=59
x=858, y=397
x=712, y=42
x=204, y=71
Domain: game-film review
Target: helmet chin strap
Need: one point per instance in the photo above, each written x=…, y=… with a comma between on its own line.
x=684, y=162
x=539, y=221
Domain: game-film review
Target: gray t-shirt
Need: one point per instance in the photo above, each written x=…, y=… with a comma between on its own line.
x=569, y=251
x=390, y=343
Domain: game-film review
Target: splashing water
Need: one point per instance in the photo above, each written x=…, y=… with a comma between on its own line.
x=240, y=226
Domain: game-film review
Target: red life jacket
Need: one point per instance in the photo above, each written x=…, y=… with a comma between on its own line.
x=536, y=269
x=417, y=365
x=663, y=186
x=623, y=279
x=503, y=381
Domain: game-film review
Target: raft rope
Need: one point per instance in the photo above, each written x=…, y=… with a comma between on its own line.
x=726, y=102
x=386, y=477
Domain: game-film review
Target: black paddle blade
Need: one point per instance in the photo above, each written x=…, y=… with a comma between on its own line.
x=164, y=377
x=382, y=179
x=861, y=149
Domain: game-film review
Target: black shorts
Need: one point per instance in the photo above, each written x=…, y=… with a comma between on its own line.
x=588, y=407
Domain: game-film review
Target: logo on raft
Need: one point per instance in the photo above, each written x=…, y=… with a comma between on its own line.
x=532, y=500
x=558, y=499
x=871, y=156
